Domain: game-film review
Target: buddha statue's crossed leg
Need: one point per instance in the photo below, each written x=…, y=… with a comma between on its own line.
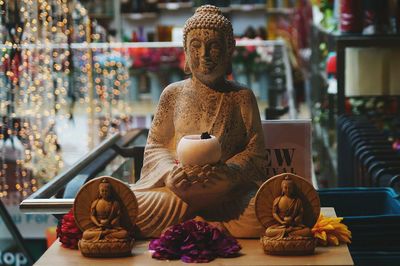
x=159, y=208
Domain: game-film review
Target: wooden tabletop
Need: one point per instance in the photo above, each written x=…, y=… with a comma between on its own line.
x=251, y=255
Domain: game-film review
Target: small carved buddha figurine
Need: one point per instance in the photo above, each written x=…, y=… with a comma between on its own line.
x=287, y=211
x=105, y=214
x=169, y=193
x=288, y=215
x=107, y=224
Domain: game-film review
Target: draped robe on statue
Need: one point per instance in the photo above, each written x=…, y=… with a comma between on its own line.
x=293, y=210
x=233, y=117
x=108, y=211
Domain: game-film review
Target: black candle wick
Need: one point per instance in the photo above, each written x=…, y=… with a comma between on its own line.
x=205, y=135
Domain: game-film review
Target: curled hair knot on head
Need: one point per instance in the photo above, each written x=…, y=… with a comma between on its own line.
x=210, y=17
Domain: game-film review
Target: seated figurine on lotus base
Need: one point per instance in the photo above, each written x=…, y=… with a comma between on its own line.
x=288, y=207
x=105, y=210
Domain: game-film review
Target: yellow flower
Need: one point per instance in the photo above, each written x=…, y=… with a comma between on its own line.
x=330, y=231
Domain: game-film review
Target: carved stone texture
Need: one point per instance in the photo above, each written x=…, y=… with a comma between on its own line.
x=105, y=209
x=293, y=247
x=105, y=248
x=288, y=206
x=169, y=193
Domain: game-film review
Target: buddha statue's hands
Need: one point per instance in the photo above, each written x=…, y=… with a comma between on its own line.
x=104, y=224
x=287, y=220
x=201, y=184
x=211, y=175
x=177, y=179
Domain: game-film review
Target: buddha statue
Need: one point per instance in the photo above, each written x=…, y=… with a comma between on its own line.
x=288, y=206
x=105, y=210
x=105, y=214
x=287, y=210
x=223, y=193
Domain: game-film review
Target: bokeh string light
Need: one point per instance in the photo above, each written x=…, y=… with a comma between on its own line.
x=42, y=91
x=46, y=68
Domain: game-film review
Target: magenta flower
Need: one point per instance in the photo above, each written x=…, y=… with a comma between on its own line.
x=68, y=232
x=193, y=241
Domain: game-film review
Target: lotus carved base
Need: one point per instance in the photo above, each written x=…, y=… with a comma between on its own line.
x=106, y=248
x=288, y=246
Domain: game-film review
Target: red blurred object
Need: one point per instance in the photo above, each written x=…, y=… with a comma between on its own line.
x=51, y=235
x=302, y=18
x=154, y=58
x=68, y=232
x=331, y=65
x=351, y=19
x=347, y=106
x=396, y=145
x=12, y=68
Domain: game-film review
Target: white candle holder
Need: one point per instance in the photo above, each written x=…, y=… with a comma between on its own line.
x=193, y=150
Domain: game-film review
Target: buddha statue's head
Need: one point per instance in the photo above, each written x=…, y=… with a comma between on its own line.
x=288, y=186
x=208, y=42
x=105, y=189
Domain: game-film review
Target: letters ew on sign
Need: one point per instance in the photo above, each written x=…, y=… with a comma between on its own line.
x=288, y=147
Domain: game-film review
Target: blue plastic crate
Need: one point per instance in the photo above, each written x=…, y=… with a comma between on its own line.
x=360, y=203
x=373, y=217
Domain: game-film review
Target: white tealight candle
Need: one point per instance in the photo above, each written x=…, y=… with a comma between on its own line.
x=192, y=150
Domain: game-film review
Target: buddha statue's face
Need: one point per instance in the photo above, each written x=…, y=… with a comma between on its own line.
x=105, y=191
x=287, y=188
x=207, y=56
